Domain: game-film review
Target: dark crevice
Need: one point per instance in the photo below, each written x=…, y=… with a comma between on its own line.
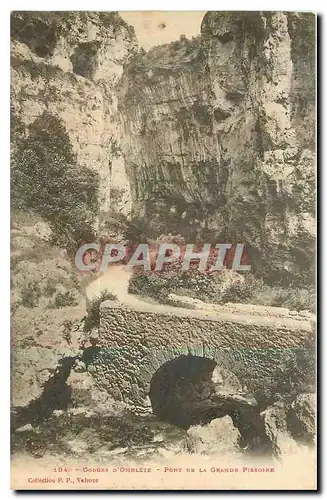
x=226, y=37
x=297, y=428
x=56, y=395
x=182, y=393
x=254, y=439
x=84, y=59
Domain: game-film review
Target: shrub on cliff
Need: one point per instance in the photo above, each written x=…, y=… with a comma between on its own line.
x=295, y=299
x=39, y=30
x=92, y=320
x=46, y=179
x=30, y=295
x=220, y=288
x=64, y=299
x=191, y=283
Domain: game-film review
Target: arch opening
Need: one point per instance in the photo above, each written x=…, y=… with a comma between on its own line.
x=192, y=390
x=181, y=391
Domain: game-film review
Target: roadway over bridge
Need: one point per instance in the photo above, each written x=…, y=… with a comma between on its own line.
x=143, y=347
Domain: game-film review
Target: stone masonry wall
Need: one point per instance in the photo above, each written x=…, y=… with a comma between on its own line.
x=135, y=342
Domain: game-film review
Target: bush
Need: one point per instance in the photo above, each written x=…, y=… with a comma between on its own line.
x=46, y=179
x=65, y=299
x=245, y=291
x=50, y=289
x=220, y=288
x=150, y=285
x=191, y=283
x=30, y=295
x=92, y=320
x=295, y=299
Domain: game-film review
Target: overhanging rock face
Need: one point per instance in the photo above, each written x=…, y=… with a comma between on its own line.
x=267, y=349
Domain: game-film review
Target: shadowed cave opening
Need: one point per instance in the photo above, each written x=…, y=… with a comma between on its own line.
x=84, y=59
x=180, y=391
x=192, y=390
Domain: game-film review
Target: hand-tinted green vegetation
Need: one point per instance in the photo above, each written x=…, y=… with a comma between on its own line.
x=92, y=320
x=47, y=180
x=218, y=289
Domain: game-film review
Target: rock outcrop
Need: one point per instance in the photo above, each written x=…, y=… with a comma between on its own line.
x=219, y=136
x=212, y=138
x=68, y=64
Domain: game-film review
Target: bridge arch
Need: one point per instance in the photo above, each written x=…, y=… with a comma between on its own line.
x=182, y=391
x=142, y=343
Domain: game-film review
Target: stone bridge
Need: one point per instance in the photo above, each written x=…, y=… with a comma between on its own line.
x=143, y=347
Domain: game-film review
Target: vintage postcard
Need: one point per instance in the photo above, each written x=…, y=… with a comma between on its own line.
x=163, y=202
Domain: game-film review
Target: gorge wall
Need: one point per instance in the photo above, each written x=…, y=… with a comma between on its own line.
x=67, y=65
x=219, y=136
x=212, y=138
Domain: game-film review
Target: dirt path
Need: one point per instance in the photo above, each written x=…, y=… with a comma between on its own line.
x=114, y=280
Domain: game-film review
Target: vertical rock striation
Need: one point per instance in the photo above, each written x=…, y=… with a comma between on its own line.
x=212, y=137
x=219, y=136
x=68, y=64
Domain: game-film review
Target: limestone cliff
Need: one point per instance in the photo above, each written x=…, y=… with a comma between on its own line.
x=67, y=64
x=213, y=137
x=64, y=65
x=219, y=136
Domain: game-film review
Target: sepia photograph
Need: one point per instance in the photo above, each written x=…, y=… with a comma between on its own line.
x=163, y=180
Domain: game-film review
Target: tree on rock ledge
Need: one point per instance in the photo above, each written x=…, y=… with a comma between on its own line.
x=46, y=179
